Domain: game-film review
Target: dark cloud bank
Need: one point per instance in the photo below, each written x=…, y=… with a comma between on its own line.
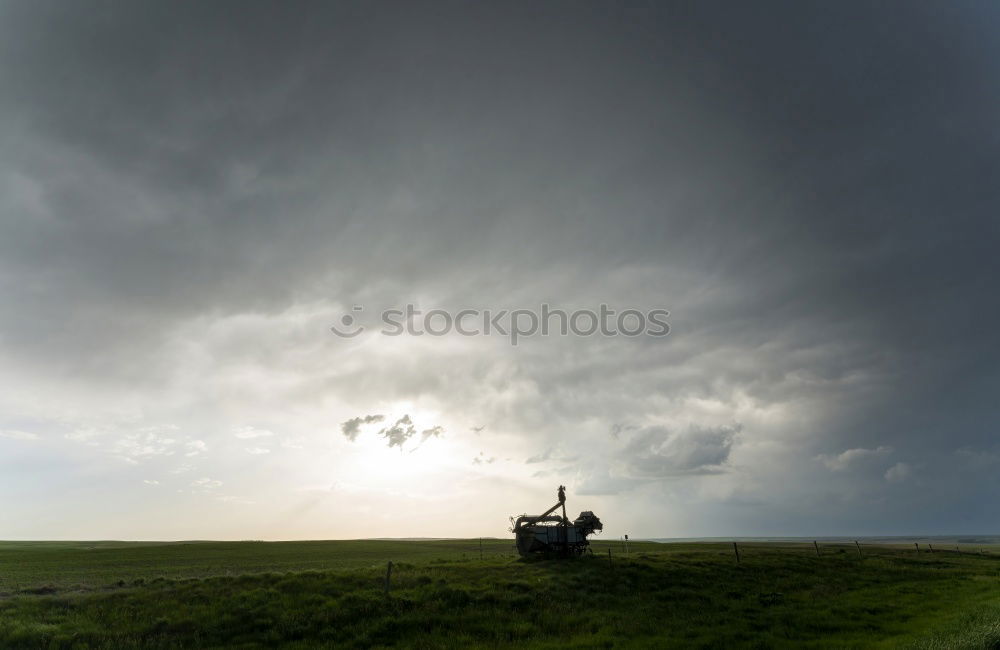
x=810, y=189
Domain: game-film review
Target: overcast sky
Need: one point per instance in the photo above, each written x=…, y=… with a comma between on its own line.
x=192, y=194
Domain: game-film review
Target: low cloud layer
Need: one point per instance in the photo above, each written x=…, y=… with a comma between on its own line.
x=853, y=457
x=658, y=452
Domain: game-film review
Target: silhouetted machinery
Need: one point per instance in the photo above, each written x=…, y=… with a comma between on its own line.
x=551, y=534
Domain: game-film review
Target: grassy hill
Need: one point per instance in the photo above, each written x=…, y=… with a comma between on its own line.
x=309, y=594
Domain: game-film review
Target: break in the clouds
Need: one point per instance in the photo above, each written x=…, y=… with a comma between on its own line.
x=191, y=195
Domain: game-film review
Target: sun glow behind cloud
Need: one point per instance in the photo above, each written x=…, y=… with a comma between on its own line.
x=421, y=464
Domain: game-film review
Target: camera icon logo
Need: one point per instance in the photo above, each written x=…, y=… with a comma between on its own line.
x=347, y=322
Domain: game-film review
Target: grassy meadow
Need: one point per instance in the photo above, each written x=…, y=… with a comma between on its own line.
x=449, y=594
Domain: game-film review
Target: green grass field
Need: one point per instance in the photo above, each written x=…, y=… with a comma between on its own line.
x=330, y=594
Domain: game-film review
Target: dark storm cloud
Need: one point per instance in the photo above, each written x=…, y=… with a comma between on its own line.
x=809, y=188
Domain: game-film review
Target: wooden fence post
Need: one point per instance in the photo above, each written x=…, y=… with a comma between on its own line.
x=816, y=546
x=736, y=549
x=388, y=575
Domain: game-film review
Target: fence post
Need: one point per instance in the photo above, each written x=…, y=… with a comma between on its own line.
x=388, y=575
x=736, y=549
x=859, y=549
x=816, y=546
